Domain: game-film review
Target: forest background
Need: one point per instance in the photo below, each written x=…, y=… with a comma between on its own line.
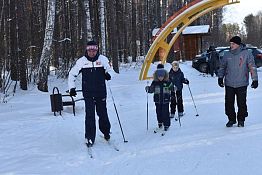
x=38, y=34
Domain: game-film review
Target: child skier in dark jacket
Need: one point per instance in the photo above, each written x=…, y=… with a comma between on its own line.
x=176, y=76
x=161, y=87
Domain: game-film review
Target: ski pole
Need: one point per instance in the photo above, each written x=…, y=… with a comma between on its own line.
x=147, y=108
x=117, y=114
x=177, y=114
x=179, y=121
x=192, y=99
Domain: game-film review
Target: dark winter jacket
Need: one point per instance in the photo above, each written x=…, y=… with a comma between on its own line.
x=177, y=78
x=235, y=67
x=161, y=89
x=93, y=75
x=213, y=59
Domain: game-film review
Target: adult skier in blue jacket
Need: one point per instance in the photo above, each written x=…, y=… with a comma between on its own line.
x=94, y=68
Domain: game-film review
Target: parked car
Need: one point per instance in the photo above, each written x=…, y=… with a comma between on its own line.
x=200, y=62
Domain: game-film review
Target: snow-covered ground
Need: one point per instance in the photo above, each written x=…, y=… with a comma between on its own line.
x=33, y=141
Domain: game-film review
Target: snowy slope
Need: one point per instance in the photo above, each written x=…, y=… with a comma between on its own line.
x=33, y=141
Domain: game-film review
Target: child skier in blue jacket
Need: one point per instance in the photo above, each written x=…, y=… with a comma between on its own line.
x=161, y=87
x=176, y=76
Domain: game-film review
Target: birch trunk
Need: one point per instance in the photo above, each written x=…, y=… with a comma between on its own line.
x=88, y=21
x=2, y=48
x=46, y=52
x=103, y=28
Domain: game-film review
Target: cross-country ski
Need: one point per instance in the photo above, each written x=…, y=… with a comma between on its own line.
x=89, y=151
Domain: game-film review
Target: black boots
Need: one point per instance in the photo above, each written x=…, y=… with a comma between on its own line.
x=230, y=123
x=107, y=137
x=239, y=124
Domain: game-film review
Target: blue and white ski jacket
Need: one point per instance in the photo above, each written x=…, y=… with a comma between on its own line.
x=93, y=75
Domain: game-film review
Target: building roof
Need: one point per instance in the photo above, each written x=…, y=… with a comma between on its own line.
x=189, y=30
x=201, y=29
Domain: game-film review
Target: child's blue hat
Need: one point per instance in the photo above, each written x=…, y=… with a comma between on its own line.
x=160, y=72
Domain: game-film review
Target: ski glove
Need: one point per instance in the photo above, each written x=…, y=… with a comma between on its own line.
x=149, y=89
x=72, y=92
x=254, y=84
x=107, y=76
x=220, y=82
x=186, y=81
x=173, y=88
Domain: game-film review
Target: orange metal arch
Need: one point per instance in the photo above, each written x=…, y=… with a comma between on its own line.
x=181, y=19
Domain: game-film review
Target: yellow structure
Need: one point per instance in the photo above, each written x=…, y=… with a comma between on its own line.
x=181, y=20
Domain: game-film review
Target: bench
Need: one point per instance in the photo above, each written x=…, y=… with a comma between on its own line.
x=58, y=101
x=69, y=103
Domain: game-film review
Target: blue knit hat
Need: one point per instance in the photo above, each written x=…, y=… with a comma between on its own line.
x=160, y=66
x=160, y=72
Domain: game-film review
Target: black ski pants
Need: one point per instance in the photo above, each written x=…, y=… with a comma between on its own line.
x=98, y=104
x=241, y=94
x=162, y=112
x=176, y=101
x=212, y=68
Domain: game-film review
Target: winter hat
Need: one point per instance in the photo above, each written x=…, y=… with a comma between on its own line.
x=161, y=72
x=91, y=45
x=175, y=63
x=236, y=39
x=160, y=66
x=212, y=48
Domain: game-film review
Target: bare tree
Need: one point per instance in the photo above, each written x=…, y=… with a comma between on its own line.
x=88, y=22
x=13, y=36
x=126, y=29
x=134, y=31
x=1, y=43
x=103, y=27
x=230, y=30
x=253, y=28
x=46, y=52
x=22, y=27
x=112, y=35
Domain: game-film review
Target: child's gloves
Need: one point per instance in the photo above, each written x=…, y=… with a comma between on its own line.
x=147, y=88
x=173, y=88
x=186, y=81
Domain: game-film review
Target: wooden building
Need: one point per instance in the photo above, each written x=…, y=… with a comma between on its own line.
x=189, y=43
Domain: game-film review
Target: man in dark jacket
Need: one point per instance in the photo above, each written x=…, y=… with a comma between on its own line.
x=213, y=60
x=234, y=74
x=94, y=68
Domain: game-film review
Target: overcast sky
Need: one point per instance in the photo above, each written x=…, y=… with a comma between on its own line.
x=236, y=13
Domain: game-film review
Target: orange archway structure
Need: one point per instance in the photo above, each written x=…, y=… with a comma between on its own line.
x=179, y=20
